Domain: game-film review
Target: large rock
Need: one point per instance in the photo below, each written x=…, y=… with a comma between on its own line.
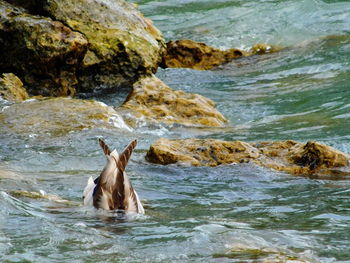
x=96, y=45
x=196, y=55
x=155, y=101
x=123, y=45
x=312, y=158
x=58, y=116
x=44, y=53
x=11, y=88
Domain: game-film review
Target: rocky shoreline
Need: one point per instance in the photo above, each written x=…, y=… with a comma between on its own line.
x=60, y=48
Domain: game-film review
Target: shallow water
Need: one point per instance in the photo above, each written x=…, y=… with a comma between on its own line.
x=237, y=213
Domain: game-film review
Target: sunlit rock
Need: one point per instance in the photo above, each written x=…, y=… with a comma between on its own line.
x=58, y=116
x=310, y=159
x=195, y=55
x=44, y=53
x=200, y=152
x=11, y=88
x=155, y=101
x=85, y=46
x=123, y=44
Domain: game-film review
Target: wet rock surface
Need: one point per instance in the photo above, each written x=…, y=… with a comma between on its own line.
x=155, y=101
x=310, y=159
x=261, y=254
x=41, y=195
x=44, y=53
x=81, y=46
x=11, y=88
x=58, y=116
x=190, y=54
x=123, y=45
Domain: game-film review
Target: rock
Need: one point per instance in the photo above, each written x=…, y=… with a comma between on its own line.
x=191, y=54
x=200, y=152
x=260, y=49
x=311, y=159
x=155, y=101
x=44, y=53
x=11, y=88
x=84, y=46
x=58, y=116
x=261, y=254
x=40, y=195
x=123, y=45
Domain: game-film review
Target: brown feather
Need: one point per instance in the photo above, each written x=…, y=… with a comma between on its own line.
x=104, y=147
x=125, y=155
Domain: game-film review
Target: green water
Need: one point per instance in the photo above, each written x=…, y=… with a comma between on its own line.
x=238, y=213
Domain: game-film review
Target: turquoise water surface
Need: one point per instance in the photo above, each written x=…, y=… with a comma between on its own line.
x=236, y=213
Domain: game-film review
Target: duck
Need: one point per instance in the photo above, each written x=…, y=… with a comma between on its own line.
x=112, y=190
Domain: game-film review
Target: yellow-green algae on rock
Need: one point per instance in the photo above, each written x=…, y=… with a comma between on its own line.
x=58, y=116
x=123, y=44
x=154, y=100
x=311, y=158
x=196, y=55
x=11, y=88
x=44, y=53
x=63, y=47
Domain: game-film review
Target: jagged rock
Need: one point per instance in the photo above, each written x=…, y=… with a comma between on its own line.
x=44, y=53
x=123, y=45
x=200, y=152
x=155, y=101
x=58, y=116
x=312, y=158
x=96, y=45
x=195, y=55
x=300, y=158
x=11, y=88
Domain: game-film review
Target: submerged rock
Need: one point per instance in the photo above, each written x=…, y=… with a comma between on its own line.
x=195, y=55
x=312, y=158
x=58, y=116
x=79, y=46
x=44, y=53
x=155, y=101
x=11, y=88
x=41, y=195
x=261, y=254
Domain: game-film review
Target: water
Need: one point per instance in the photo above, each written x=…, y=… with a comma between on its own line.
x=238, y=213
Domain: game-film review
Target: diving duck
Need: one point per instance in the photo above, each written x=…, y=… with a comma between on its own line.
x=112, y=190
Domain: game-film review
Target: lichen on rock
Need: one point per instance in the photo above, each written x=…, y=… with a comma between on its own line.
x=62, y=47
x=196, y=55
x=11, y=88
x=154, y=100
x=44, y=53
x=123, y=44
x=310, y=159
